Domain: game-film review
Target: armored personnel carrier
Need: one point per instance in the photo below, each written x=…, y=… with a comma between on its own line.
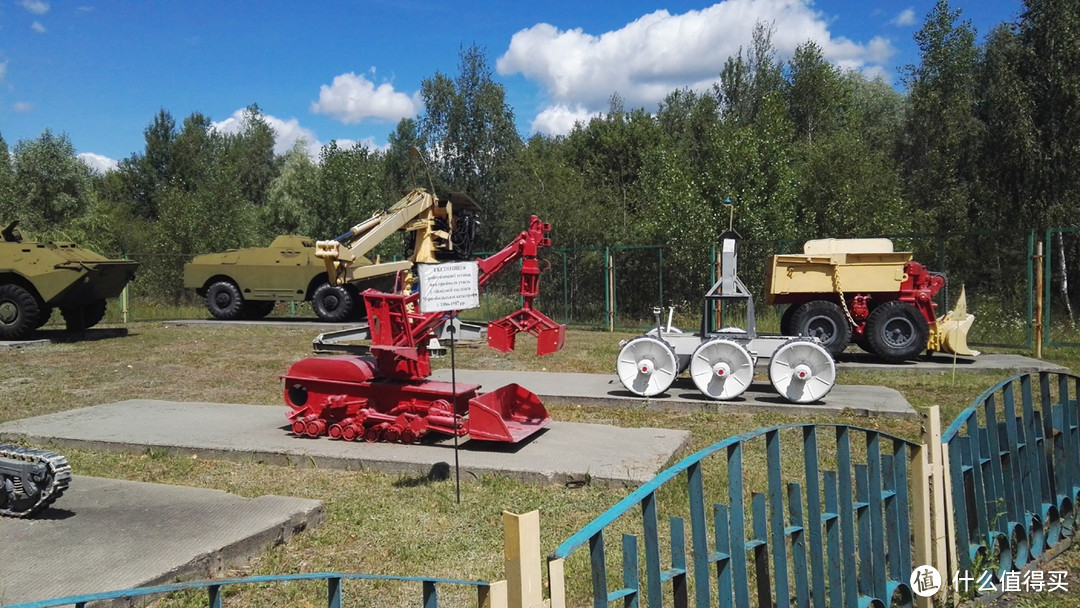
x=37, y=277
x=245, y=283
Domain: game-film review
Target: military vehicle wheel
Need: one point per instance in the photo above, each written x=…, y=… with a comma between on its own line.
x=19, y=313
x=43, y=318
x=896, y=331
x=224, y=301
x=78, y=318
x=333, y=303
x=257, y=309
x=785, y=320
x=825, y=321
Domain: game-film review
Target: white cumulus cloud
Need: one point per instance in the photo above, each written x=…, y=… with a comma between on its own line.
x=559, y=119
x=38, y=7
x=22, y=107
x=352, y=98
x=905, y=18
x=660, y=52
x=3, y=70
x=37, y=27
x=288, y=132
x=97, y=162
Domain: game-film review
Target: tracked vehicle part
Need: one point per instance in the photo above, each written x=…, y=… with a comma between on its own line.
x=30, y=480
x=386, y=395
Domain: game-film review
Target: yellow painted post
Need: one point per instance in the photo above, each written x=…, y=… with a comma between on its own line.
x=521, y=548
x=921, y=498
x=124, y=305
x=557, y=583
x=492, y=596
x=950, y=525
x=943, y=543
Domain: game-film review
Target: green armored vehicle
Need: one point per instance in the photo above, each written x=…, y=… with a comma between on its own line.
x=245, y=283
x=37, y=277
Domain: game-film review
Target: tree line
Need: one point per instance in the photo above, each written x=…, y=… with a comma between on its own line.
x=986, y=138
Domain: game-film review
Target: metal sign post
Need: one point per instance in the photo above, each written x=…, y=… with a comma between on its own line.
x=450, y=287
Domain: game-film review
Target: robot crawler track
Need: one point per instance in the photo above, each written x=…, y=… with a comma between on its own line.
x=30, y=480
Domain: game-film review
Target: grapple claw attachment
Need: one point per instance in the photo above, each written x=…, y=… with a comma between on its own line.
x=550, y=335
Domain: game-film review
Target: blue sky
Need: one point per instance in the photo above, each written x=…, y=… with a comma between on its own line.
x=100, y=70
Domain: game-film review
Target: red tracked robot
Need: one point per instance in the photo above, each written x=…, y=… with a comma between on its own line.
x=386, y=396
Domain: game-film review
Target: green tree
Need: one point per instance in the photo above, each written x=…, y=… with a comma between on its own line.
x=7, y=184
x=817, y=97
x=144, y=175
x=249, y=155
x=942, y=134
x=403, y=171
x=468, y=129
x=610, y=152
x=291, y=196
x=747, y=79
x=51, y=184
x=1050, y=30
x=349, y=189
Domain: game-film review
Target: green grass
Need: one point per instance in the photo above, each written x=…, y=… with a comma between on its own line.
x=390, y=524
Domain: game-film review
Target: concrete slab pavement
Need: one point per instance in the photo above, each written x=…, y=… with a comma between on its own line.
x=45, y=337
x=105, y=534
x=566, y=452
x=606, y=390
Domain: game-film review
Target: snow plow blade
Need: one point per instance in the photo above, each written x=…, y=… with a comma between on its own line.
x=508, y=414
x=953, y=329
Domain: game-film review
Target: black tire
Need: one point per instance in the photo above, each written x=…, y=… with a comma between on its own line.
x=257, y=309
x=43, y=318
x=19, y=313
x=896, y=331
x=785, y=320
x=333, y=303
x=224, y=301
x=825, y=321
x=79, y=318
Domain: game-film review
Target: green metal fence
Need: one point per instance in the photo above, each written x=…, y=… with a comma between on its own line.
x=618, y=286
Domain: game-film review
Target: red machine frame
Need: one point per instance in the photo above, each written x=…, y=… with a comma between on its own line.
x=387, y=396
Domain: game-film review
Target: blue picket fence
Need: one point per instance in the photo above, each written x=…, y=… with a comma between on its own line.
x=839, y=536
x=215, y=589
x=1015, y=469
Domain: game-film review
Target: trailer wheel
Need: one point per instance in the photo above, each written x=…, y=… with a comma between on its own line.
x=224, y=301
x=896, y=331
x=333, y=303
x=647, y=366
x=825, y=321
x=19, y=312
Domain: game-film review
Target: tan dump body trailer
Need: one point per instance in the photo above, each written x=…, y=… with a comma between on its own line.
x=862, y=291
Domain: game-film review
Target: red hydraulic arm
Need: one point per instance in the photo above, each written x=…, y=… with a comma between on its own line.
x=388, y=397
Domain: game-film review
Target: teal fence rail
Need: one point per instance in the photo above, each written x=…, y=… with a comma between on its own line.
x=215, y=589
x=836, y=533
x=1014, y=459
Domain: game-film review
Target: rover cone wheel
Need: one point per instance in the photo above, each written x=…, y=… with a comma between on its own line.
x=721, y=369
x=802, y=371
x=647, y=366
